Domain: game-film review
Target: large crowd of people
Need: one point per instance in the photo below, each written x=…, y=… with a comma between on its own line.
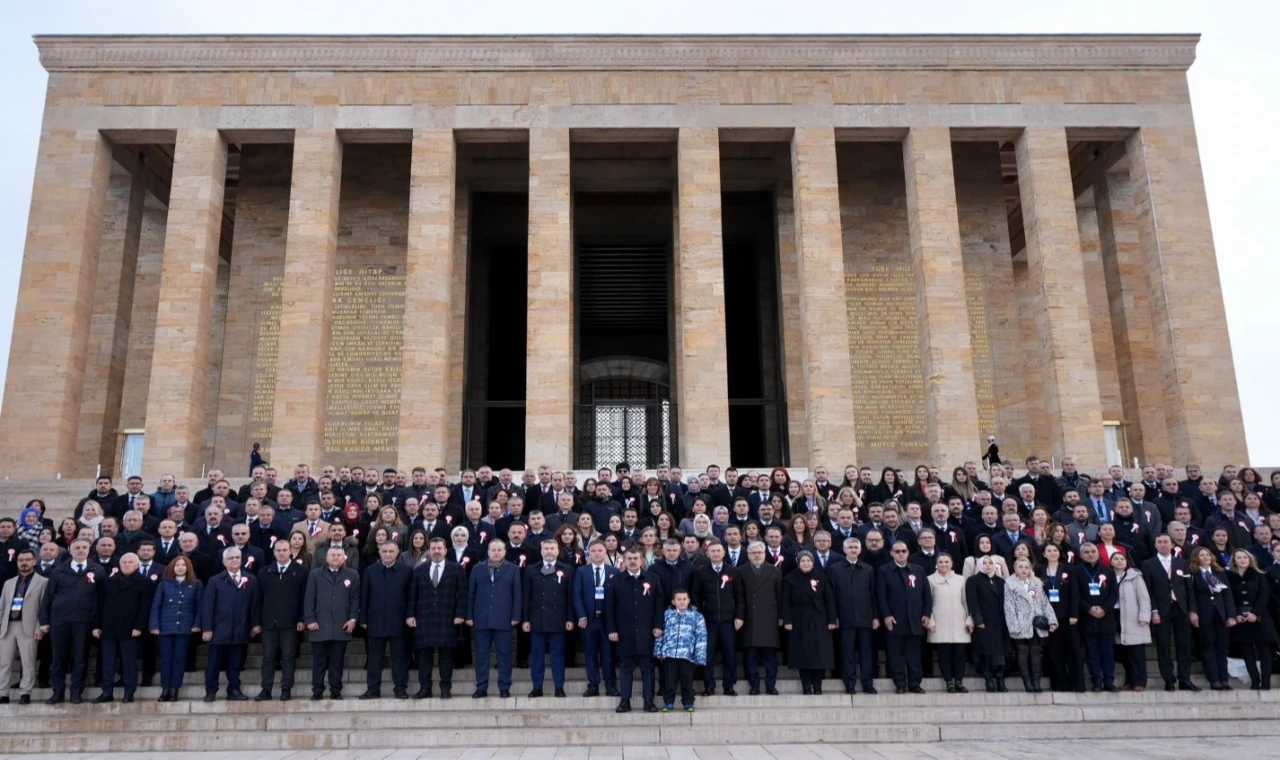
x=1050, y=578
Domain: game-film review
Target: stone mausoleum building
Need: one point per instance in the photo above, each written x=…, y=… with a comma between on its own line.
x=574, y=250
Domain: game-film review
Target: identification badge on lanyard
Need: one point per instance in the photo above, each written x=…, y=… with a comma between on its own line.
x=1095, y=588
x=16, y=605
x=1054, y=595
x=600, y=592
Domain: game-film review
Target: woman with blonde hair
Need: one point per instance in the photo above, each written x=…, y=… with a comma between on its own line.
x=1253, y=633
x=1030, y=618
x=91, y=517
x=1216, y=609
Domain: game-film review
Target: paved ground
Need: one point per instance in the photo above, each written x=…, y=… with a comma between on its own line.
x=1017, y=750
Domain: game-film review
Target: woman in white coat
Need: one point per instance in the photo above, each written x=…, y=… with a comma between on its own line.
x=950, y=625
x=1134, y=618
x=1025, y=599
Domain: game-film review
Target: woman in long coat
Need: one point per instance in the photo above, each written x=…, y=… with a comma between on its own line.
x=1254, y=632
x=984, y=593
x=1025, y=599
x=809, y=616
x=950, y=626
x=1134, y=614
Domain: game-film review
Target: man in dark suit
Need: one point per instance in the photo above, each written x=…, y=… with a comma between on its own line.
x=762, y=593
x=548, y=614
x=588, y=604
x=267, y=530
x=384, y=607
x=717, y=591
x=229, y=617
x=167, y=542
x=672, y=570
x=251, y=557
x=493, y=609
x=633, y=610
x=438, y=604
x=283, y=583
x=330, y=608
x=905, y=604
x=1169, y=587
x=1009, y=535
x=71, y=602
x=853, y=584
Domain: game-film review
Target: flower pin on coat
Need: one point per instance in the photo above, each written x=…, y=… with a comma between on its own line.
x=813, y=584
x=89, y=577
x=346, y=582
x=724, y=579
x=912, y=580
x=646, y=589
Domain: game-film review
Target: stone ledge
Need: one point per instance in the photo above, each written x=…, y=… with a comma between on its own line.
x=60, y=53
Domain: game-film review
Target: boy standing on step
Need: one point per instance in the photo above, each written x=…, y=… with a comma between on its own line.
x=682, y=645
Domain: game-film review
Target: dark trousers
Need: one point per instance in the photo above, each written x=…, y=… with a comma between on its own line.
x=148, y=648
x=770, y=657
x=951, y=661
x=539, y=641
x=279, y=644
x=44, y=659
x=1213, y=649
x=228, y=656
x=903, y=655
x=70, y=648
x=399, y=662
x=173, y=659
x=720, y=639
x=327, y=657
x=599, y=653
x=1135, y=664
x=446, y=666
x=678, y=670
x=124, y=652
x=523, y=647
x=499, y=639
x=1255, y=653
x=857, y=654
x=1066, y=670
x=1174, y=629
x=1099, y=649
x=627, y=673
x=462, y=652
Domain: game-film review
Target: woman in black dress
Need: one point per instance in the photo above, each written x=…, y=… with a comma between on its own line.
x=1254, y=632
x=809, y=615
x=984, y=594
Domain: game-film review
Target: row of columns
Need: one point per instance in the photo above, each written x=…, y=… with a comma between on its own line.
x=1195, y=375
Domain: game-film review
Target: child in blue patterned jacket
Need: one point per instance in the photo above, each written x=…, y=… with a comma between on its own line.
x=682, y=645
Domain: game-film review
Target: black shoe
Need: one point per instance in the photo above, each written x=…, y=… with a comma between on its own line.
x=371, y=694
x=650, y=707
x=1110, y=688
x=591, y=691
x=560, y=693
x=210, y=696
x=806, y=690
x=400, y=694
x=1188, y=686
x=624, y=706
x=235, y=695
x=56, y=699
x=285, y=695
x=316, y=696
x=850, y=690
x=25, y=699
x=817, y=688
x=335, y=695
x=164, y=696
x=899, y=690
x=103, y=699
x=869, y=688
x=989, y=684
x=522, y=664
x=480, y=694
x=263, y=696
x=754, y=691
x=960, y=689
x=916, y=690
x=729, y=691
x=4, y=700
x=612, y=691
x=446, y=692
x=77, y=699
x=1095, y=688
x=534, y=694
x=1170, y=687
x=951, y=687
x=423, y=693
x=1000, y=687
x=128, y=699
x=708, y=691
x=504, y=694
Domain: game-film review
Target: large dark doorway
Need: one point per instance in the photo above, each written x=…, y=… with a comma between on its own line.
x=624, y=410
x=757, y=404
x=498, y=270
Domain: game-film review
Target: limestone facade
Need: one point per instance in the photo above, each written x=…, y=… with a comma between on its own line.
x=950, y=265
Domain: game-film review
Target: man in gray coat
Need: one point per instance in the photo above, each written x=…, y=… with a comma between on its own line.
x=20, y=625
x=330, y=608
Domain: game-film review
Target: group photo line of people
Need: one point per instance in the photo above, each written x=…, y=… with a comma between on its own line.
x=1049, y=577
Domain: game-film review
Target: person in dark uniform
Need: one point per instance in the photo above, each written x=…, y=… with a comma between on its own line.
x=905, y=604
x=284, y=582
x=719, y=596
x=123, y=617
x=228, y=619
x=70, y=605
x=588, y=604
x=548, y=614
x=1098, y=597
x=1168, y=580
x=384, y=607
x=633, y=608
x=437, y=606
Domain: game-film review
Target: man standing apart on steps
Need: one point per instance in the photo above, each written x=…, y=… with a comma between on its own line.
x=229, y=618
x=493, y=609
x=330, y=609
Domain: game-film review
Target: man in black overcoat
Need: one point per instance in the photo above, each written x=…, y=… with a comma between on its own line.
x=718, y=594
x=548, y=614
x=384, y=604
x=905, y=604
x=633, y=609
x=283, y=583
x=438, y=605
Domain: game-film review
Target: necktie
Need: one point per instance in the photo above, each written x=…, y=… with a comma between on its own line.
x=79, y=568
x=435, y=574
x=284, y=569
x=599, y=577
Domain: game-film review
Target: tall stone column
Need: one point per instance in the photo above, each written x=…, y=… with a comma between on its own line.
x=428, y=303
x=306, y=294
x=109, y=329
x=43, y=389
x=1197, y=372
x=1137, y=357
x=1072, y=407
x=702, y=367
x=184, y=331
x=824, y=312
x=549, y=384
x=941, y=301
